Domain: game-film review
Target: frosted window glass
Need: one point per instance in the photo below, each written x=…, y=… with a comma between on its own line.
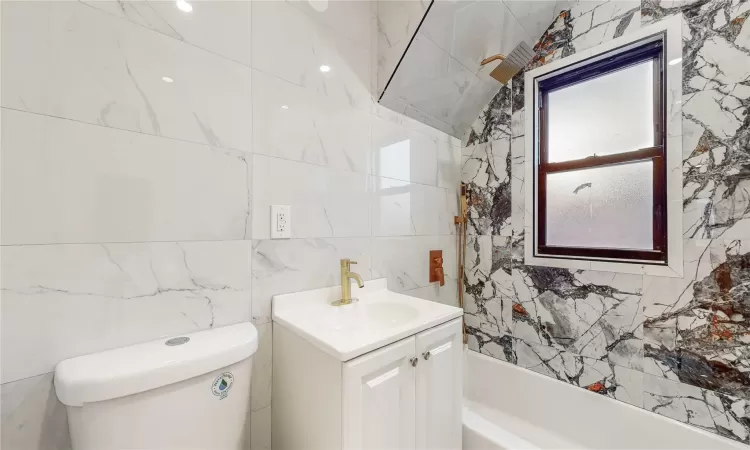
x=610, y=114
x=603, y=207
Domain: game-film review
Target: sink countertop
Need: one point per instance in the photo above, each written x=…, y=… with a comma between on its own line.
x=379, y=318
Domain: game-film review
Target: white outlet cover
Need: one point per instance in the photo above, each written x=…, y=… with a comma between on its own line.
x=281, y=222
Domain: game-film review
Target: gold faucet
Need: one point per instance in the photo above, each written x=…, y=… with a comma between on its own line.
x=346, y=287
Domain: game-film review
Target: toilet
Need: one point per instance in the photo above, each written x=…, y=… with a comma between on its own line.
x=187, y=392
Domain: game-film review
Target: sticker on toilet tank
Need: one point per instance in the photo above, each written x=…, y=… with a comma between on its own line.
x=222, y=384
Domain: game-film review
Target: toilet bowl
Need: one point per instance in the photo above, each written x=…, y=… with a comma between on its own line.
x=188, y=392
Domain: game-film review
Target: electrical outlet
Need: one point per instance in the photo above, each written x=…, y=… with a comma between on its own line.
x=281, y=222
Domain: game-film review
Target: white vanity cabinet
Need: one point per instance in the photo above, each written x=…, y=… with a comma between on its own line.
x=405, y=395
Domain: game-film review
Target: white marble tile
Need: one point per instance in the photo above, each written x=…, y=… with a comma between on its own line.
x=431, y=121
x=430, y=80
x=260, y=396
x=534, y=16
x=404, y=261
x=397, y=114
x=260, y=429
x=296, y=123
x=473, y=99
x=291, y=265
x=86, y=298
x=472, y=30
x=32, y=416
x=402, y=154
x=104, y=76
x=219, y=26
x=448, y=200
x=289, y=44
x=449, y=165
x=95, y=184
x=349, y=19
x=395, y=105
x=447, y=294
x=400, y=208
x=397, y=22
x=324, y=202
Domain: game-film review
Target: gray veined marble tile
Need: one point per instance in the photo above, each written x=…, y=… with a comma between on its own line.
x=491, y=343
x=494, y=122
x=719, y=413
x=715, y=61
x=699, y=335
x=533, y=16
x=588, y=313
x=130, y=293
x=602, y=23
x=487, y=172
x=488, y=284
x=591, y=374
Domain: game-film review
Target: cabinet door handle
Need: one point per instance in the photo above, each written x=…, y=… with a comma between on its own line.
x=426, y=355
x=414, y=362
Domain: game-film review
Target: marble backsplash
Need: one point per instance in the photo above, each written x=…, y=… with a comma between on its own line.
x=676, y=347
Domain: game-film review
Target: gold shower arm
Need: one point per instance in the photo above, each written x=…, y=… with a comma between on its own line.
x=492, y=58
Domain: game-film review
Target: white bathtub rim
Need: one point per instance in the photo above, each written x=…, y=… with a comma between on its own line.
x=493, y=432
x=669, y=422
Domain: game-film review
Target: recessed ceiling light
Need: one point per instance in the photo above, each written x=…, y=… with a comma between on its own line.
x=325, y=68
x=185, y=6
x=284, y=107
x=675, y=61
x=167, y=79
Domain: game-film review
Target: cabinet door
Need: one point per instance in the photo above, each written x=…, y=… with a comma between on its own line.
x=439, y=387
x=379, y=399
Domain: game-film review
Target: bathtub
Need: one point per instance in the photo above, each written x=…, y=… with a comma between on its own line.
x=507, y=407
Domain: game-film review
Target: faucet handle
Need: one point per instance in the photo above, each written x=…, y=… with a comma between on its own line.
x=345, y=262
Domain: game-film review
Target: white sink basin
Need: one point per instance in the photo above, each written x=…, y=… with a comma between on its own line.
x=377, y=319
x=371, y=315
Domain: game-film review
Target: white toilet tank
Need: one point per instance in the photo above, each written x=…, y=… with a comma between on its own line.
x=187, y=392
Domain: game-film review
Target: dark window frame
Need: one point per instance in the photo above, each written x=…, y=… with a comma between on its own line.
x=653, y=50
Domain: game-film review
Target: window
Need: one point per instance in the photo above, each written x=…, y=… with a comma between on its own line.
x=599, y=157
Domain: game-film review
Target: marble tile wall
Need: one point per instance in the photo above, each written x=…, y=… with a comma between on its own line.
x=676, y=347
x=141, y=149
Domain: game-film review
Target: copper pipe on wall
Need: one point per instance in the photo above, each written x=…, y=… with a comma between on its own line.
x=460, y=222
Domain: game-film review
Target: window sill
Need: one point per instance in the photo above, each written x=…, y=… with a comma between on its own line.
x=673, y=270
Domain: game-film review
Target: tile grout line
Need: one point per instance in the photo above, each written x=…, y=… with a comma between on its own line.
x=27, y=378
x=399, y=236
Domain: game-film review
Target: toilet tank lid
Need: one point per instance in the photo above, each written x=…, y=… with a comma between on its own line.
x=138, y=368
